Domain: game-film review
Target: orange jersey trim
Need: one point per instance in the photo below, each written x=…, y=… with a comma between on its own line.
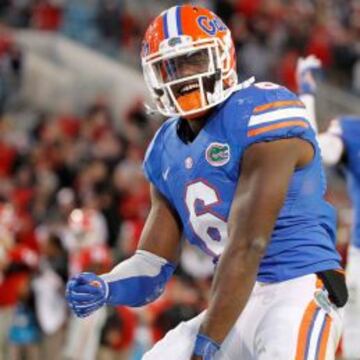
x=281, y=125
x=305, y=327
x=278, y=104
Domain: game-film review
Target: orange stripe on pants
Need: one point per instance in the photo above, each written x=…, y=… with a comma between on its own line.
x=325, y=338
x=305, y=327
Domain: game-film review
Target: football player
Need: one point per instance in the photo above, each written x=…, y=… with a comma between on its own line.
x=236, y=168
x=340, y=145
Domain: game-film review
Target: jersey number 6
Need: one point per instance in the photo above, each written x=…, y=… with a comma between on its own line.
x=210, y=227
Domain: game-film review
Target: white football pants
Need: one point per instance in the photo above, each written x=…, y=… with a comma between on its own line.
x=351, y=338
x=290, y=320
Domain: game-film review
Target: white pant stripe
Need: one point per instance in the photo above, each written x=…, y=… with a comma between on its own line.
x=316, y=330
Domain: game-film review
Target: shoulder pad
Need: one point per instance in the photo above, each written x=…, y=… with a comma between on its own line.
x=276, y=113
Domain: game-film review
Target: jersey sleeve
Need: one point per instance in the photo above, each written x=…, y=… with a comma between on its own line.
x=152, y=164
x=277, y=113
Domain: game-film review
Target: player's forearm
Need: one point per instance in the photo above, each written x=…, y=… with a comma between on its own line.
x=139, y=280
x=233, y=283
x=256, y=205
x=249, y=229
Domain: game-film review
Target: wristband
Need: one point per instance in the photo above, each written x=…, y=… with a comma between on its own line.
x=205, y=347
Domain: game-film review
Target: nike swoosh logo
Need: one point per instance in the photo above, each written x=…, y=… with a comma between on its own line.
x=166, y=173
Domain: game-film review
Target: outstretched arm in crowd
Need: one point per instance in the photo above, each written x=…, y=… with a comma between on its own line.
x=330, y=141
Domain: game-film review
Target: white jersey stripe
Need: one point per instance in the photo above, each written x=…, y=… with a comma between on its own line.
x=316, y=332
x=172, y=22
x=276, y=115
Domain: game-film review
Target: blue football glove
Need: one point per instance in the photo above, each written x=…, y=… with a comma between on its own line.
x=85, y=293
x=306, y=69
x=205, y=347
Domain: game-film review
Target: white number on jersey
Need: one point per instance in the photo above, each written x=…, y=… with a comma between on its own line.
x=207, y=225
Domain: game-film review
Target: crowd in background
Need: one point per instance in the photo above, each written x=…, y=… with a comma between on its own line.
x=269, y=35
x=73, y=196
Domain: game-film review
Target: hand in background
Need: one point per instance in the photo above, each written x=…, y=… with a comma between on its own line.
x=305, y=71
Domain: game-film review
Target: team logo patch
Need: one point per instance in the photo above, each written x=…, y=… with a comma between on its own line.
x=217, y=154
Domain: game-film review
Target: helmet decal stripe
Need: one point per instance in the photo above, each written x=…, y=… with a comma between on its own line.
x=166, y=29
x=178, y=20
x=172, y=22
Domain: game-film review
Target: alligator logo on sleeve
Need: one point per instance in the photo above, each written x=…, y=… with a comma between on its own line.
x=217, y=154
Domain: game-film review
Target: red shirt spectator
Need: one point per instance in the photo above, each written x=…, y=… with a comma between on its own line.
x=13, y=282
x=287, y=67
x=126, y=338
x=319, y=45
x=46, y=16
x=69, y=125
x=249, y=7
x=7, y=157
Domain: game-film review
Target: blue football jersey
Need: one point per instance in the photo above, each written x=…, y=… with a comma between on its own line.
x=199, y=180
x=350, y=133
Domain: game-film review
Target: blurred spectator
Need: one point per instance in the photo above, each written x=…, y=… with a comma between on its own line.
x=16, y=302
x=109, y=23
x=118, y=334
x=46, y=15
x=87, y=235
x=8, y=152
x=79, y=21
x=17, y=13
x=24, y=334
x=10, y=67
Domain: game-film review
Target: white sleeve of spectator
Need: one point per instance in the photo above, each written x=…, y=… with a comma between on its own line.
x=332, y=148
x=309, y=102
x=330, y=142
